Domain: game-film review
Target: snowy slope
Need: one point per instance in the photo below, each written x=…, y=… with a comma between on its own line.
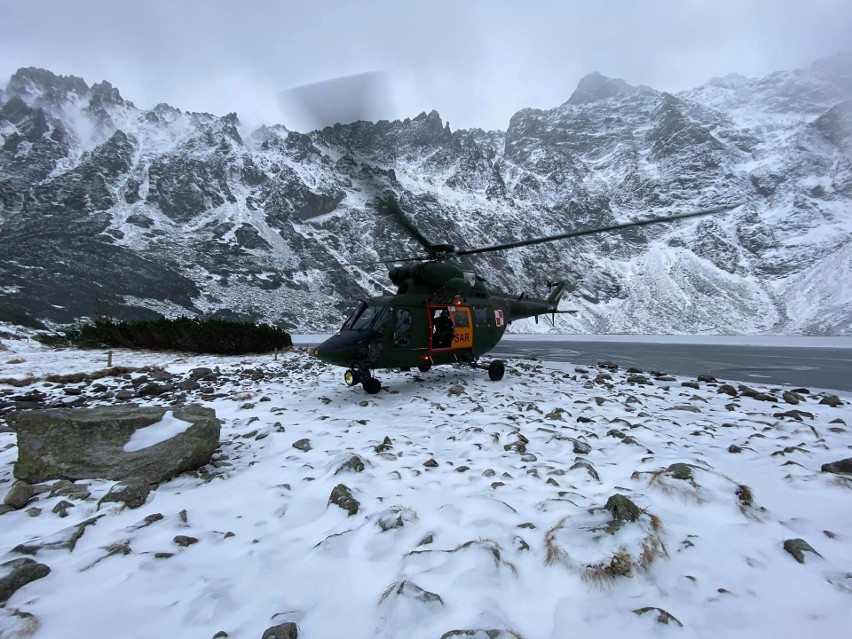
x=503, y=530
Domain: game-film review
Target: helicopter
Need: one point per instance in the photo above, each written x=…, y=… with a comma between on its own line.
x=442, y=314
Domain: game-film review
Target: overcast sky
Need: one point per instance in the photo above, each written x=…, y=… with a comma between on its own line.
x=476, y=62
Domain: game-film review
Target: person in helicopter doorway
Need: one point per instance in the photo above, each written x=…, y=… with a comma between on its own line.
x=444, y=330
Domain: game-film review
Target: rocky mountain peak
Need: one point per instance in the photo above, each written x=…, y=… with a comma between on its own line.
x=595, y=86
x=105, y=94
x=730, y=81
x=40, y=86
x=836, y=68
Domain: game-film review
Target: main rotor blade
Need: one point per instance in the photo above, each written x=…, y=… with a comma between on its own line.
x=388, y=205
x=393, y=260
x=362, y=96
x=345, y=265
x=593, y=231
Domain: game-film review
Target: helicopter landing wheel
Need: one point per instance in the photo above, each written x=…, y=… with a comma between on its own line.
x=372, y=385
x=425, y=367
x=351, y=377
x=496, y=370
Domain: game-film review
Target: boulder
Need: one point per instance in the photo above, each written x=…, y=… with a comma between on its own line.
x=680, y=470
x=492, y=633
x=184, y=541
x=395, y=517
x=621, y=507
x=131, y=492
x=341, y=496
x=65, y=488
x=62, y=507
x=18, y=496
x=581, y=448
x=354, y=465
x=303, y=444
x=582, y=463
x=65, y=539
x=17, y=573
x=798, y=548
x=287, y=630
x=663, y=616
x=842, y=466
x=89, y=443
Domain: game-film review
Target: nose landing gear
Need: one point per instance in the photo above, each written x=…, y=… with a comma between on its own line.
x=362, y=376
x=351, y=377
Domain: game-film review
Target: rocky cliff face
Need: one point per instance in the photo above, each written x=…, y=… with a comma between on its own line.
x=108, y=208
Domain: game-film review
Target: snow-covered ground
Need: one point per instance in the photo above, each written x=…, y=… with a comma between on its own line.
x=482, y=511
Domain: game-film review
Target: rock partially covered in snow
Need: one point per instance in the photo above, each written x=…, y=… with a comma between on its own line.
x=132, y=493
x=842, y=466
x=113, y=442
x=16, y=574
x=18, y=495
x=493, y=633
x=287, y=630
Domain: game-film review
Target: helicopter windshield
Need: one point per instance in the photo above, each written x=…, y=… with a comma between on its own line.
x=366, y=316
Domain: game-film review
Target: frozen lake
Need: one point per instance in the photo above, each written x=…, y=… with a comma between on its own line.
x=816, y=362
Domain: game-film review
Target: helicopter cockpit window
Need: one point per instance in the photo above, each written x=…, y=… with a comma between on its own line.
x=402, y=327
x=347, y=325
x=367, y=316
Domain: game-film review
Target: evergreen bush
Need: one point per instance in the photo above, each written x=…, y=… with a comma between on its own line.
x=220, y=337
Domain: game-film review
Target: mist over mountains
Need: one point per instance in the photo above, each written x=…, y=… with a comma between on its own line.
x=109, y=208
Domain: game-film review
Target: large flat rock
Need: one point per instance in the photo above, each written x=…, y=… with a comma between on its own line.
x=89, y=443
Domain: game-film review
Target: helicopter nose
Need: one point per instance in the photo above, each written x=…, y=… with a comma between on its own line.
x=340, y=349
x=321, y=352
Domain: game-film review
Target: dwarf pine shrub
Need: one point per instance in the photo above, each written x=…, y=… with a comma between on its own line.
x=215, y=336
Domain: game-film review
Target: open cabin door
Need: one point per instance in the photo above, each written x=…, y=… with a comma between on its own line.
x=450, y=328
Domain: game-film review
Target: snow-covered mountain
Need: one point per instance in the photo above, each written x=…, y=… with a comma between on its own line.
x=108, y=208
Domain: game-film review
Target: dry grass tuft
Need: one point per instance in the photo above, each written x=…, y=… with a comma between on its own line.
x=745, y=496
x=511, y=566
x=686, y=489
x=656, y=522
x=18, y=383
x=387, y=592
x=555, y=554
x=652, y=549
x=605, y=573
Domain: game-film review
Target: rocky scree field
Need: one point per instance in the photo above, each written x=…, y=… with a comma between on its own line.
x=559, y=502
